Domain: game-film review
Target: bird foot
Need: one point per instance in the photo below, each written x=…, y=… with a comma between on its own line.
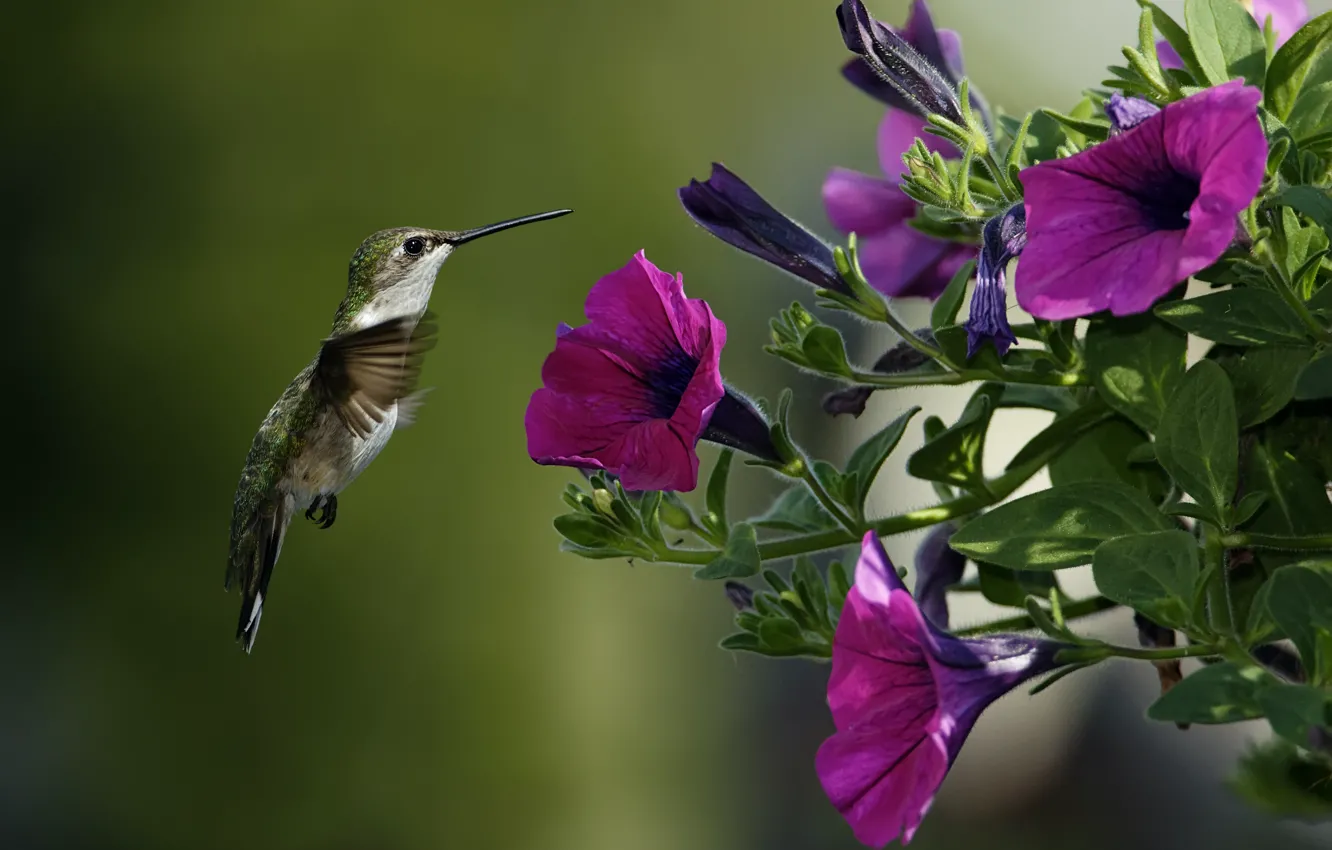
x=328, y=508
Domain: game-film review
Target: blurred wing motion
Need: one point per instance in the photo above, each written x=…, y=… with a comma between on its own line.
x=362, y=374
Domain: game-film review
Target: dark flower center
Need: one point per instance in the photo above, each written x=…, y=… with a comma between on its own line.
x=667, y=383
x=1167, y=208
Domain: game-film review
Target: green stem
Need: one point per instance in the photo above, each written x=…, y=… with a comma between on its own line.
x=1220, y=604
x=831, y=505
x=1000, y=175
x=1287, y=290
x=998, y=489
x=1054, y=379
x=1071, y=611
x=1251, y=540
x=1197, y=650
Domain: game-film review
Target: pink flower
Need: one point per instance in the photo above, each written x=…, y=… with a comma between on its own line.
x=904, y=696
x=1121, y=224
x=897, y=259
x=632, y=391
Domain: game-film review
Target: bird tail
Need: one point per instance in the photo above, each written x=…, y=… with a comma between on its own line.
x=270, y=530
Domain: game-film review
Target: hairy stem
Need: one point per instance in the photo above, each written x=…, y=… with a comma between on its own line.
x=1071, y=611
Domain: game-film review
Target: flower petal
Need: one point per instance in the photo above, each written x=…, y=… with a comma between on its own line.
x=1287, y=16
x=883, y=774
x=863, y=205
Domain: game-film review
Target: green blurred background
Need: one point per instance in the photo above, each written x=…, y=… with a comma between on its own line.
x=183, y=184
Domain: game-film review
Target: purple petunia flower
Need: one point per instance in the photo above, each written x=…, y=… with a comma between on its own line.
x=1004, y=238
x=941, y=48
x=938, y=567
x=904, y=696
x=633, y=390
x=897, y=259
x=1122, y=223
x=733, y=212
x=1287, y=17
x=1125, y=113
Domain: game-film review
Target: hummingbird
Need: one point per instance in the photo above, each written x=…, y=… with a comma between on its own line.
x=339, y=412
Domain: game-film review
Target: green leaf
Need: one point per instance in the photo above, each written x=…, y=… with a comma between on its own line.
x=955, y=456
x=1249, y=506
x=1299, y=601
x=1057, y=433
x=1311, y=201
x=742, y=642
x=1198, y=441
x=867, y=459
x=1053, y=399
x=1263, y=378
x=1294, y=710
x=1309, y=119
x=1012, y=587
x=1177, y=38
x=717, y=484
x=946, y=308
x=1096, y=129
x=781, y=636
x=1237, y=317
x=1153, y=573
x=1059, y=527
x=1220, y=693
x=1297, y=504
x=825, y=351
x=1315, y=379
x=1292, y=63
x=812, y=590
x=1284, y=780
x=1105, y=453
x=1135, y=363
x=588, y=531
x=796, y=510
x=740, y=558
x=1226, y=40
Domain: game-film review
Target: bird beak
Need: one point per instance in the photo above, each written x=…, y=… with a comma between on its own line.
x=459, y=237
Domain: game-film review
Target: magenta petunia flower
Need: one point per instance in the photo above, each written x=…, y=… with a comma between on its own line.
x=633, y=390
x=897, y=259
x=904, y=696
x=1122, y=223
x=1287, y=17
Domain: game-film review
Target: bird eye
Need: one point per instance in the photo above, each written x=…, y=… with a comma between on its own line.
x=414, y=246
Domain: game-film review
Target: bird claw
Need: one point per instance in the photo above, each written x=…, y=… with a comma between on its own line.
x=328, y=508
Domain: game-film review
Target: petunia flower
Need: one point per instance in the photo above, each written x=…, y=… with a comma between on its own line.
x=633, y=390
x=897, y=259
x=1287, y=17
x=1125, y=113
x=904, y=696
x=920, y=83
x=938, y=567
x=1004, y=239
x=733, y=212
x=1119, y=225
x=940, y=48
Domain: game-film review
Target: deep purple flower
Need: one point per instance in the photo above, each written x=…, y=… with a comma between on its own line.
x=1125, y=113
x=941, y=48
x=1004, y=238
x=1122, y=223
x=1287, y=17
x=632, y=391
x=897, y=259
x=904, y=696
x=938, y=567
x=920, y=83
x=736, y=214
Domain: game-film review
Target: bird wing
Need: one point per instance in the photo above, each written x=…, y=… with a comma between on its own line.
x=363, y=373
